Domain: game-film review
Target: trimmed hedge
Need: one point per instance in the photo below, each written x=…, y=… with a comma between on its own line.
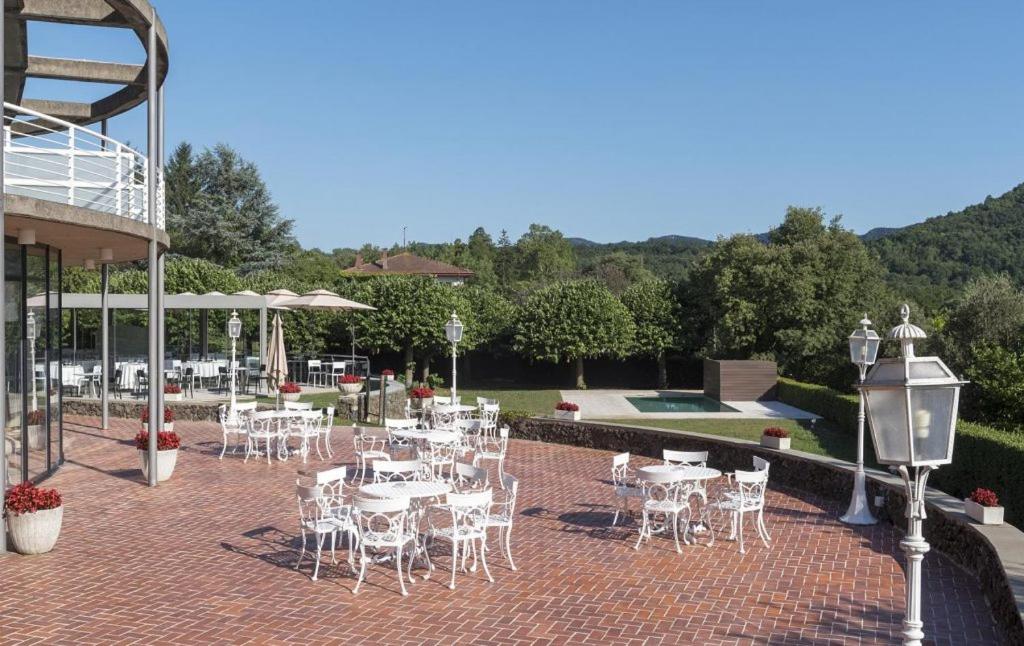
x=982, y=456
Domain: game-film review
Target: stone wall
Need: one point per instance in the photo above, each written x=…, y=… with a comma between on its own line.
x=995, y=555
x=355, y=408
x=129, y=409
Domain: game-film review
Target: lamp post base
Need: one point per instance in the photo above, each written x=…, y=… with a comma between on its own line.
x=859, y=513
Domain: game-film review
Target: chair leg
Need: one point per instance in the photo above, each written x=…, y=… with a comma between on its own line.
x=455, y=561
x=319, y=547
x=764, y=528
x=483, y=557
x=508, y=546
x=675, y=532
x=302, y=552
x=401, y=578
x=225, y=447
x=362, y=567
x=739, y=530
x=643, y=531
x=268, y=450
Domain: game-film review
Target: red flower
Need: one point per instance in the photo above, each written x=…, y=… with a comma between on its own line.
x=776, y=432
x=421, y=393
x=168, y=415
x=289, y=388
x=350, y=379
x=387, y=372
x=165, y=441
x=172, y=389
x=27, y=498
x=985, y=497
x=36, y=417
x=569, y=406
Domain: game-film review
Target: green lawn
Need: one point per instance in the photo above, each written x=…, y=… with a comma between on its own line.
x=532, y=402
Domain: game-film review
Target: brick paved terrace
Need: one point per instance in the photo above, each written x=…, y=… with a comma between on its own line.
x=209, y=557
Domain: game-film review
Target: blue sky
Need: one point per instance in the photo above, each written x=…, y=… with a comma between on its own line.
x=607, y=120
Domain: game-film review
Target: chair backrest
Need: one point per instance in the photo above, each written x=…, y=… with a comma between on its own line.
x=661, y=485
x=262, y=421
x=400, y=424
x=298, y=405
x=470, y=512
x=397, y=470
x=245, y=406
x=381, y=521
x=469, y=478
x=511, y=484
x=189, y=372
x=364, y=439
x=337, y=366
x=440, y=400
x=312, y=505
x=620, y=469
x=331, y=475
x=489, y=415
x=760, y=464
x=686, y=458
x=498, y=444
x=751, y=486
x=314, y=363
x=329, y=415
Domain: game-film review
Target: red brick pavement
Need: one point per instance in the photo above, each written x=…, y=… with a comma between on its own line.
x=209, y=556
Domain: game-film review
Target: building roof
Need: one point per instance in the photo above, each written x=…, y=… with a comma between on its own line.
x=409, y=264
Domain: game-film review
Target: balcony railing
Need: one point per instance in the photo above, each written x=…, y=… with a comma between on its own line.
x=51, y=159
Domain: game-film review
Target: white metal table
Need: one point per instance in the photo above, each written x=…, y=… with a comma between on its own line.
x=691, y=474
x=415, y=491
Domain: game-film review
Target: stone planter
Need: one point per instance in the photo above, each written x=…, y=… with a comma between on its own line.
x=165, y=461
x=982, y=514
x=291, y=397
x=780, y=443
x=37, y=436
x=351, y=389
x=568, y=415
x=173, y=397
x=35, y=533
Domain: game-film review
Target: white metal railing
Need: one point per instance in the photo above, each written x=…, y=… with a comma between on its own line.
x=51, y=159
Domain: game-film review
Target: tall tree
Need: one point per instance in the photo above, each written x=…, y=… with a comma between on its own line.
x=545, y=255
x=655, y=312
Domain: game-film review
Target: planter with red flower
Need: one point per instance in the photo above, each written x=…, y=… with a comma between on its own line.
x=422, y=397
x=34, y=518
x=172, y=393
x=388, y=374
x=350, y=384
x=775, y=438
x=168, y=419
x=36, y=429
x=167, y=444
x=983, y=507
x=567, y=411
x=290, y=391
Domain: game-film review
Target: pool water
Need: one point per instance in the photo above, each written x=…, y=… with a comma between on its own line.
x=679, y=404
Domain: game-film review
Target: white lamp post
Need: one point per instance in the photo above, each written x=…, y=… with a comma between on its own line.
x=863, y=352
x=453, y=330
x=234, y=331
x=911, y=406
x=30, y=334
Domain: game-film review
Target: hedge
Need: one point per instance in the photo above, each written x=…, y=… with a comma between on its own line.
x=982, y=456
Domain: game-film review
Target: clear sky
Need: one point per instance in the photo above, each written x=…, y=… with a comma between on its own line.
x=607, y=120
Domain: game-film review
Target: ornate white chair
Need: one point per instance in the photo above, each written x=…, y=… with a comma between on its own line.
x=469, y=513
x=236, y=428
x=382, y=524
x=469, y=435
x=369, y=447
x=503, y=513
x=316, y=516
x=495, y=449
x=489, y=419
x=439, y=458
x=298, y=405
x=398, y=445
x=308, y=429
x=325, y=430
x=467, y=478
x=624, y=481
x=689, y=459
x=261, y=425
x=443, y=417
x=746, y=498
x=315, y=372
x=397, y=470
x=664, y=503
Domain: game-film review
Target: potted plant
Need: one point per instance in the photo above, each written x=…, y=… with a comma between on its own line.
x=36, y=429
x=983, y=507
x=168, y=418
x=567, y=411
x=290, y=391
x=172, y=393
x=775, y=438
x=350, y=384
x=422, y=397
x=167, y=443
x=34, y=518
x=388, y=374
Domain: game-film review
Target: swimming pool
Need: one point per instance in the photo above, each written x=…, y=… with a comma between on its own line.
x=679, y=404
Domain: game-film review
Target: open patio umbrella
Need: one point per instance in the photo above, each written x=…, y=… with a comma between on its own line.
x=277, y=362
x=276, y=297
x=321, y=299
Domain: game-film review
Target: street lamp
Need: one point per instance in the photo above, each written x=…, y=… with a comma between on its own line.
x=911, y=406
x=234, y=331
x=30, y=334
x=453, y=330
x=863, y=352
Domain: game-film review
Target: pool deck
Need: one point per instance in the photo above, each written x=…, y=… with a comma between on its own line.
x=612, y=404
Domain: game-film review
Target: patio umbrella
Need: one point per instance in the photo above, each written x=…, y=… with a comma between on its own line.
x=277, y=362
x=321, y=299
x=278, y=296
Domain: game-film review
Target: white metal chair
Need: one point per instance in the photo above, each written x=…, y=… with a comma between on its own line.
x=493, y=449
x=469, y=515
x=747, y=498
x=664, y=502
x=439, y=459
x=502, y=515
x=397, y=470
x=308, y=428
x=399, y=445
x=469, y=435
x=315, y=374
x=261, y=425
x=369, y=446
x=337, y=371
x=689, y=459
x=316, y=516
x=443, y=417
x=382, y=524
x=441, y=400
x=467, y=478
x=326, y=427
x=298, y=405
x=624, y=481
x=238, y=428
x=489, y=419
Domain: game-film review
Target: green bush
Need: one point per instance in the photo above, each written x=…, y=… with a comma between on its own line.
x=982, y=456
x=511, y=418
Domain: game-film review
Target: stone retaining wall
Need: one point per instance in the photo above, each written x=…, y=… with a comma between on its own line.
x=995, y=555
x=183, y=410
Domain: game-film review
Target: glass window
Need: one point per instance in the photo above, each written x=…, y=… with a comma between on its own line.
x=13, y=440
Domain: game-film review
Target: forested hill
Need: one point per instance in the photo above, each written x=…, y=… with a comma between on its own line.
x=944, y=252
x=665, y=256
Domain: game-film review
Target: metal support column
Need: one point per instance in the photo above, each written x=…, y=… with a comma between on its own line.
x=160, y=312
x=263, y=341
x=105, y=346
x=155, y=366
x=3, y=311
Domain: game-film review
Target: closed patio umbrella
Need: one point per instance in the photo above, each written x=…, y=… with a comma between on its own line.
x=277, y=362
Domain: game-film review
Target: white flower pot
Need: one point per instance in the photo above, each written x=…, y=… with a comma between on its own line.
x=568, y=415
x=291, y=397
x=165, y=461
x=780, y=443
x=422, y=404
x=35, y=533
x=168, y=427
x=173, y=397
x=37, y=436
x=351, y=389
x=982, y=514
x=389, y=377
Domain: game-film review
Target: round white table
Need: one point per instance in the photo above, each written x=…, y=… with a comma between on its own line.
x=454, y=408
x=415, y=489
x=684, y=472
x=430, y=435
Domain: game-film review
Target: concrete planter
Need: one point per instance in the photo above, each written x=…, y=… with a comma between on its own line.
x=984, y=515
x=168, y=427
x=780, y=443
x=37, y=436
x=165, y=461
x=422, y=404
x=567, y=415
x=173, y=397
x=351, y=389
x=35, y=533
x=291, y=397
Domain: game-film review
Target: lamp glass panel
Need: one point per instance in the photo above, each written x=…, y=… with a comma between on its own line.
x=858, y=349
x=887, y=416
x=927, y=370
x=453, y=330
x=932, y=417
x=886, y=371
x=872, y=350
x=235, y=328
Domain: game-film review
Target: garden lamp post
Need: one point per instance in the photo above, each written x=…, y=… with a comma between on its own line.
x=453, y=330
x=30, y=335
x=863, y=352
x=912, y=406
x=234, y=331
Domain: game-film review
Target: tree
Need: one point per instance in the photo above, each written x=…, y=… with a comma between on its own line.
x=573, y=321
x=618, y=270
x=656, y=316
x=989, y=312
x=545, y=255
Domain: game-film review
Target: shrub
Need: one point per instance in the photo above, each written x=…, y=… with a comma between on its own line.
x=511, y=418
x=36, y=417
x=172, y=389
x=289, y=388
x=421, y=392
x=168, y=415
x=165, y=441
x=350, y=379
x=27, y=498
x=567, y=406
x=387, y=372
x=774, y=431
x=838, y=408
x=435, y=381
x=985, y=497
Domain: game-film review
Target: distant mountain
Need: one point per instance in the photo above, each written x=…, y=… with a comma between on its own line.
x=667, y=256
x=878, y=232
x=671, y=240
